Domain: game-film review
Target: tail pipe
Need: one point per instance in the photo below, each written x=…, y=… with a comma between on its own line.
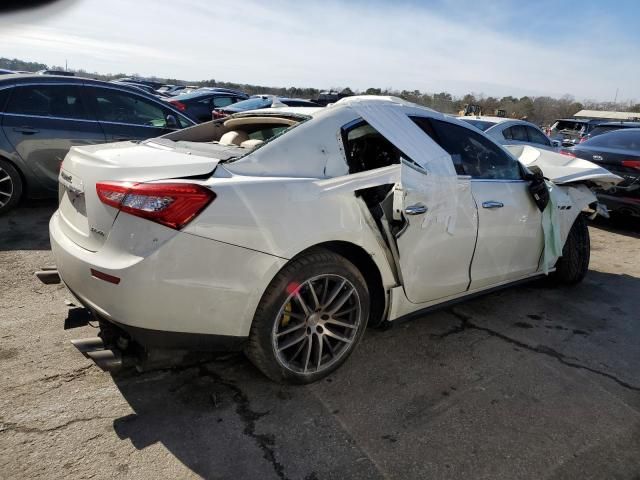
x=108, y=359
x=48, y=275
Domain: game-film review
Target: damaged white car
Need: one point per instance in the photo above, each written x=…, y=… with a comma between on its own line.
x=285, y=232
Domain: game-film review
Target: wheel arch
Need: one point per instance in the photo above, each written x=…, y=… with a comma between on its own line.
x=369, y=269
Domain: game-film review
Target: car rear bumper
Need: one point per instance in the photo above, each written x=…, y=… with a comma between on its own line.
x=190, y=291
x=618, y=203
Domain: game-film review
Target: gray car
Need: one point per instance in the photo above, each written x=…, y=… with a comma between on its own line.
x=42, y=117
x=510, y=131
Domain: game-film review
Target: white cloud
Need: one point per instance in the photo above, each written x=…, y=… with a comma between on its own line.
x=321, y=44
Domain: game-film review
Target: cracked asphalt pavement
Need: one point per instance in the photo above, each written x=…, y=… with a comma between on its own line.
x=530, y=382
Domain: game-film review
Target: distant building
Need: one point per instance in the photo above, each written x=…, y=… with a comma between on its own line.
x=608, y=115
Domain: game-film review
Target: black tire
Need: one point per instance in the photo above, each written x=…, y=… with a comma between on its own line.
x=572, y=267
x=262, y=345
x=10, y=186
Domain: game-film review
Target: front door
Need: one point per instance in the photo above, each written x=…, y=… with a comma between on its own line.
x=43, y=122
x=510, y=238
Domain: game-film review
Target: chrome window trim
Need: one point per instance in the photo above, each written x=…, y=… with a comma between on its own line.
x=498, y=180
x=86, y=120
x=49, y=117
x=136, y=125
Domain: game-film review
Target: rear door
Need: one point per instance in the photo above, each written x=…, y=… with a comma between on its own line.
x=510, y=238
x=43, y=121
x=128, y=116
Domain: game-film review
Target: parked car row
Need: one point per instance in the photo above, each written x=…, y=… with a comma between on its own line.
x=619, y=152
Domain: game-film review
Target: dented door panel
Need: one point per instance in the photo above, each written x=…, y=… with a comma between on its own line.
x=435, y=259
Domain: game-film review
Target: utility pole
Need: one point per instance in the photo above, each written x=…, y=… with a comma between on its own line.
x=66, y=69
x=615, y=100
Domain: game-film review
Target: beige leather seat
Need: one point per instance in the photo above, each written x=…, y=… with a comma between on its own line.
x=233, y=137
x=251, y=143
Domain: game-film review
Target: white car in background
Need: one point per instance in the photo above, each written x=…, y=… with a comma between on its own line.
x=286, y=231
x=509, y=131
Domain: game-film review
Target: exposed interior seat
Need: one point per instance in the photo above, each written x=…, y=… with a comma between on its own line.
x=233, y=137
x=251, y=143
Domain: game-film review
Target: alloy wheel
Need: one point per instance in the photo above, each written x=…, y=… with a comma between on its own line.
x=317, y=323
x=6, y=187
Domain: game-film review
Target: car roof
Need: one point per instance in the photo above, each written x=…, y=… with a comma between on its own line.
x=579, y=120
x=487, y=118
x=310, y=111
x=620, y=124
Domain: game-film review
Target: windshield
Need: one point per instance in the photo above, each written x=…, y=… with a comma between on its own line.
x=252, y=104
x=481, y=124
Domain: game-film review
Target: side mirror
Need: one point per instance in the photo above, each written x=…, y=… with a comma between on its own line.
x=171, y=122
x=532, y=173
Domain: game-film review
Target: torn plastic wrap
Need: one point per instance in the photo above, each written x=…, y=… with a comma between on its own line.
x=552, y=225
x=439, y=180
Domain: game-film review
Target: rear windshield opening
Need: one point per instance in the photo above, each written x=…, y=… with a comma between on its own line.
x=366, y=149
x=568, y=125
x=234, y=136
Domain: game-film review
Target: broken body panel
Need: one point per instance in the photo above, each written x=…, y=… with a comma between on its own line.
x=433, y=234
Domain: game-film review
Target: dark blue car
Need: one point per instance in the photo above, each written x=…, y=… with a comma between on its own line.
x=200, y=103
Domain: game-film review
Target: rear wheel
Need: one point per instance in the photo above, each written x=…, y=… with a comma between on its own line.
x=572, y=267
x=310, y=319
x=10, y=186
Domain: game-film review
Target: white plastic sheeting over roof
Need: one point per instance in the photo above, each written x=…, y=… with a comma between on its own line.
x=440, y=180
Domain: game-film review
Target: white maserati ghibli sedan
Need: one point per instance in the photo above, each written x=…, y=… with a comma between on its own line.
x=284, y=232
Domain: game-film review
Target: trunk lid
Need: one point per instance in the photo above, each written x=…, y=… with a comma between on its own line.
x=85, y=219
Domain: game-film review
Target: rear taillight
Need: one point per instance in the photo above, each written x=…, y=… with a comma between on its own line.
x=631, y=164
x=171, y=204
x=567, y=153
x=218, y=114
x=179, y=105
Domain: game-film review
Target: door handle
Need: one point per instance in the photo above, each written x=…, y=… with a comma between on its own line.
x=597, y=158
x=492, y=204
x=26, y=130
x=416, y=209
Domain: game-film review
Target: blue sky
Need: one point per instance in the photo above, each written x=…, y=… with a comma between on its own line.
x=499, y=47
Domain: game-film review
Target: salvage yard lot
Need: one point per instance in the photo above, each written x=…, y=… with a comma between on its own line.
x=531, y=382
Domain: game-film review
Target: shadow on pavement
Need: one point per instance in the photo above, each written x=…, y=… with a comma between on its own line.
x=27, y=227
x=435, y=397
x=628, y=226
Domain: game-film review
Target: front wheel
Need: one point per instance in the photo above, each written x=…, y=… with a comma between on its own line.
x=572, y=267
x=310, y=319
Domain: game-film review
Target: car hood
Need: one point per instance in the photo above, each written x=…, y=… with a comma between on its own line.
x=562, y=169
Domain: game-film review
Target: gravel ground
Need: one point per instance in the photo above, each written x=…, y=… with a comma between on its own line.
x=530, y=382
